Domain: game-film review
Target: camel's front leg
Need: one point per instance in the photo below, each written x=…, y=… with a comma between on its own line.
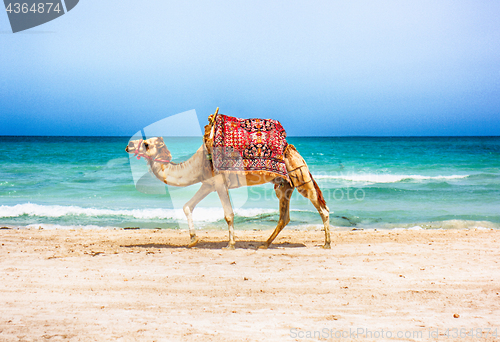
x=222, y=191
x=189, y=207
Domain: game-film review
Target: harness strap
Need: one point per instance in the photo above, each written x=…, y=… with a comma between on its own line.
x=295, y=177
x=297, y=168
x=298, y=186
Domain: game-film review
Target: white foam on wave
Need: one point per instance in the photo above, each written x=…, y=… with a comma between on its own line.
x=56, y=211
x=385, y=178
x=49, y=226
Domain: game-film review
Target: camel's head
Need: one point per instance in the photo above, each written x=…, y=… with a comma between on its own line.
x=152, y=149
x=135, y=146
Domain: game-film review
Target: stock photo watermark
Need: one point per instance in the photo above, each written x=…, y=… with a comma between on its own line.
x=364, y=333
x=334, y=185
x=27, y=14
x=330, y=194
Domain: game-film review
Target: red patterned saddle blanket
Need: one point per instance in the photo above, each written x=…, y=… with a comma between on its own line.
x=249, y=145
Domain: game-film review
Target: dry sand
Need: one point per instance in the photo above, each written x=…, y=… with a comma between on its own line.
x=122, y=285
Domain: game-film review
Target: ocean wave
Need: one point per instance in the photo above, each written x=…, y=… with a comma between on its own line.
x=385, y=178
x=57, y=211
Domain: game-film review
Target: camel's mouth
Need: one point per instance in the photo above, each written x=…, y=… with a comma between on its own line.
x=131, y=147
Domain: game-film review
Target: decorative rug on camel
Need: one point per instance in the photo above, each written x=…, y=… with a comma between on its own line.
x=249, y=145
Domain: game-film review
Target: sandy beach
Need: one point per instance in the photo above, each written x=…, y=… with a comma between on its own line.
x=129, y=285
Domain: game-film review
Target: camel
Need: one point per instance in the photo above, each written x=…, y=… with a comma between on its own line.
x=198, y=169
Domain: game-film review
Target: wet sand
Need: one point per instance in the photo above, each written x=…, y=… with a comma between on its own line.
x=129, y=285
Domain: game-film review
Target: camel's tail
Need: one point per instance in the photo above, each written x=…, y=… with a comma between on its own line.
x=321, y=199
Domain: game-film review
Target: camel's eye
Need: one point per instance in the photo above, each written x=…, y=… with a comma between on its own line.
x=146, y=145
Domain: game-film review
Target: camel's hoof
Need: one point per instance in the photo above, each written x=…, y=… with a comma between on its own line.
x=326, y=246
x=194, y=242
x=229, y=247
x=263, y=246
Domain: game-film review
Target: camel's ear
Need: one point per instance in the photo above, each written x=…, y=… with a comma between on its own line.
x=159, y=142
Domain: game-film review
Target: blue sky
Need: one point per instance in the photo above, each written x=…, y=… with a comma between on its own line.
x=322, y=68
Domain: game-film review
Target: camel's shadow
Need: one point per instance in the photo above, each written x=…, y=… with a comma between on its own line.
x=217, y=245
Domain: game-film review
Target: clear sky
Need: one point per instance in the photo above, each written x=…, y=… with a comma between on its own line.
x=322, y=68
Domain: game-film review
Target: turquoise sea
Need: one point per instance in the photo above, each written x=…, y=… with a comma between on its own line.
x=383, y=183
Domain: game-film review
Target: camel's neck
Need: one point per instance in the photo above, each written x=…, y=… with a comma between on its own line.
x=184, y=174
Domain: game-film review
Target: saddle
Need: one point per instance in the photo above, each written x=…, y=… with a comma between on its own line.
x=246, y=145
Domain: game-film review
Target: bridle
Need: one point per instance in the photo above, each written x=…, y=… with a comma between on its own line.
x=145, y=156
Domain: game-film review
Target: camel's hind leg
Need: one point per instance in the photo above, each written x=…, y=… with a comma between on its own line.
x=311, y=191
x=284, y=193
x=307, y=187
x=189, y=207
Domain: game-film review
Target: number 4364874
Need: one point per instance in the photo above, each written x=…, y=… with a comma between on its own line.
x=35, y=8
